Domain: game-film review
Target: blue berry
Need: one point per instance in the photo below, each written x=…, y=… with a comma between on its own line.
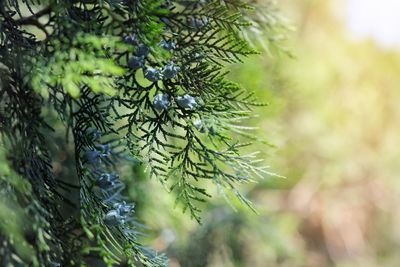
x=106, y=180
x=198, y=124
x=152, y=74
x=93, y=133
x=130, y=39
x=123, y=209
x=93, y=156
x=198, y=56
x=104, y=149
x=142, y=50
x=136, y=62
x=161, y=101
x=187, y=101
x=170, y=70
x=118, y=215
x=168, y=45
x=113, y=218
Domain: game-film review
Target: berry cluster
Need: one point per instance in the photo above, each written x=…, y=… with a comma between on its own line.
x=105, y=184
x=162, y=102
x=138, y=60
x=155, y=74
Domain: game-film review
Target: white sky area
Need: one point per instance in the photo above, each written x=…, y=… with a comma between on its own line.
x=376, y=19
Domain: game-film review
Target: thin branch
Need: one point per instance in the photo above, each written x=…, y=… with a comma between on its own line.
x=32, y=19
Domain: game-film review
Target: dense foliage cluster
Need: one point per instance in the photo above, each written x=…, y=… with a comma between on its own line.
x=132, y=81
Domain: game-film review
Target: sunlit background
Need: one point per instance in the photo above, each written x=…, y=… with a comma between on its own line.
x=374, y=19
x=334, y=122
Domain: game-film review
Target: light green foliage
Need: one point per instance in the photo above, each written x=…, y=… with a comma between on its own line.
x=86, y=62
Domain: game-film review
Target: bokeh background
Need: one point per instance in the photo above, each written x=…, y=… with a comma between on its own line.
x=333, y=122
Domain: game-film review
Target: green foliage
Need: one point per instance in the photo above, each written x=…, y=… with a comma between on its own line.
x=11, y=213
x=84, y=63
x=131, y=81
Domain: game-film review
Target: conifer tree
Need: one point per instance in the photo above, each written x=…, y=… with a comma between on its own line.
x=130, y=81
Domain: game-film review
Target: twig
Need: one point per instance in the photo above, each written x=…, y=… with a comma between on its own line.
x=34, y=20
x=34, y=17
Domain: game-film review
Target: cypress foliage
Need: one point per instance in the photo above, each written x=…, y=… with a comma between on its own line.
x=131, y=81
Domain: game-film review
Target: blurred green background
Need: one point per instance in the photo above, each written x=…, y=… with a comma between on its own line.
x=333, y=118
